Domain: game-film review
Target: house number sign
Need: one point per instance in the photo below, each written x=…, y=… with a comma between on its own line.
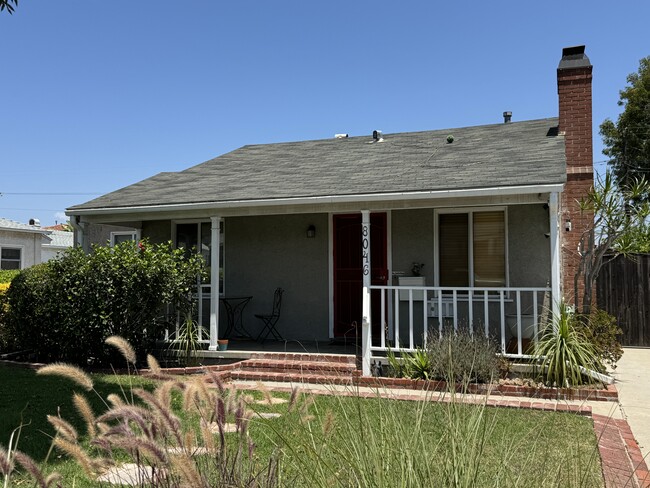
x=365, y=244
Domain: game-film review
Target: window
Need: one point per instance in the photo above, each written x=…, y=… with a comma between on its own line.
x=10, y=258
x=122, y=236
x=472, y=249
x=188, y=237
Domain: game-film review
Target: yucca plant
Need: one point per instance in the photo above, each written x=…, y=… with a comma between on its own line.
x=186, y=343
x=564, y=353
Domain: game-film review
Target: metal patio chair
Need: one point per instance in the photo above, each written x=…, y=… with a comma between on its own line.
x=271, y=319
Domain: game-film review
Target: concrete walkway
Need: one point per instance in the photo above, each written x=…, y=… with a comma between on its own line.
x=633, y=384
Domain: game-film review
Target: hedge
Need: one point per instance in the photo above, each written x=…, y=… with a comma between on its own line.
x=64, y=309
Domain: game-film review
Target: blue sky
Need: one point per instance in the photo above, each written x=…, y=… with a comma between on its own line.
x=97, y=95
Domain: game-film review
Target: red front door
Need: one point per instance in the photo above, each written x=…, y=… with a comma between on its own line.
x=348, y=273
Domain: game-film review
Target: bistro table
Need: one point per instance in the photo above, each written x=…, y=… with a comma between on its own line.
x=234, y=310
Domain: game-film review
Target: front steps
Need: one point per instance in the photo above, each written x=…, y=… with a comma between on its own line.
x=336, y=369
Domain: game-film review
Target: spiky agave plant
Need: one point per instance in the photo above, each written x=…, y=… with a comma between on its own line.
x=563, y=350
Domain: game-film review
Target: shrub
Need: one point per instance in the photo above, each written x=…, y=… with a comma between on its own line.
x=6, y=275
x=463, y=356
x=458, y=356
x=65, y=308
x=564, y=351
x=602, y=331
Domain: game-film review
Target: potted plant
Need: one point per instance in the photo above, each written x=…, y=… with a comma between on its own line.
x=222, y=344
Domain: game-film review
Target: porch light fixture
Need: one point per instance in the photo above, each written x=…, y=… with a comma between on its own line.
x=567, y=225
x=311, y=232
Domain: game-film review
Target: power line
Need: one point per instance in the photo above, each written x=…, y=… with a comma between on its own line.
x=33, y=209
x=44, y=193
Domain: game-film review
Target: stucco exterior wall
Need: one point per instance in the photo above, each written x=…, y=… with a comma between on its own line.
x=99, y=234
x=412, y=242
x=263, y=253
x=29, y=243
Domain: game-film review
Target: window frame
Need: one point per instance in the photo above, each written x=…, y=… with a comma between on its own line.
x=133, y=233
x=15, y=248
x=470, y=211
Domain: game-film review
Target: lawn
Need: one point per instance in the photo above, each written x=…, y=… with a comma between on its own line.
x=348, y=441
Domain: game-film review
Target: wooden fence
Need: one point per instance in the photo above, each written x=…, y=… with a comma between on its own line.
x=623, y=290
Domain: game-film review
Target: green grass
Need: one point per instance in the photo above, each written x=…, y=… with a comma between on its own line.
x=27, y=398
x=521, y=447
x=350, y=441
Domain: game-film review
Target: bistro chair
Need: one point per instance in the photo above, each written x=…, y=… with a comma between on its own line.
x=271, y=319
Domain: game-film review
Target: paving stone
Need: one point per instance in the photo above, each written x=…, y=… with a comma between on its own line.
x=128, y=474
x=268, y=415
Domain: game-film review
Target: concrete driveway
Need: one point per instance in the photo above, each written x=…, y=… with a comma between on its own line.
x=633, y=384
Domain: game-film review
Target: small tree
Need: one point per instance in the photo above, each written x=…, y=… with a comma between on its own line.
x=7, y=4
x=627, y=141
x=618, y=213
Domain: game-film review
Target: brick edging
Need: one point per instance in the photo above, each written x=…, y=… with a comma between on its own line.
x=443, y=397
x=621, y=458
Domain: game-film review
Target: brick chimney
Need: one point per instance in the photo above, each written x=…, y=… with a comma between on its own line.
x=574, y=94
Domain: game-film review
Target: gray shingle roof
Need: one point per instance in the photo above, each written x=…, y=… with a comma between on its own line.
x=514, y=154
x=7, y=224
x=60, y=239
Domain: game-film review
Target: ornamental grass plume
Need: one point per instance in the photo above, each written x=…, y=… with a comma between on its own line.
x=63, y=428
x=85, y=410
x=153, y=365
x=123, y=346
x=73, y=450
x=6, y=464
x=32, y=468
x=68, y=371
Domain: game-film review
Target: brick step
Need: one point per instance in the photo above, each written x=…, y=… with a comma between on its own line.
x=291, y=366
x=297, y=356
x=293, y=377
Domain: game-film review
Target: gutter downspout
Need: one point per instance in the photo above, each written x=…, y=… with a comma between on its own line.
x=79, y=231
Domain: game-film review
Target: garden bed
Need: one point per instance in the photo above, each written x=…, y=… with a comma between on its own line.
x=609, y=393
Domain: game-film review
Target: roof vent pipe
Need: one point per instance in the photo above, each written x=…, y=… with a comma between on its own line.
x=376, y=136
x=507, y=117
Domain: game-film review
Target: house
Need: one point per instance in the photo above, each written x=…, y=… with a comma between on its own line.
x=24, y=245
x=339, y=224
x=59, y=240
x=20, y=244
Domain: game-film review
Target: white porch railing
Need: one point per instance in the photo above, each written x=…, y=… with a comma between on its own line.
x=407, y=315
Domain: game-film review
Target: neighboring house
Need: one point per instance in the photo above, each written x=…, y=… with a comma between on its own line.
x=487, y=209
x=20, y=244
x=23, y=245
x=59, y=240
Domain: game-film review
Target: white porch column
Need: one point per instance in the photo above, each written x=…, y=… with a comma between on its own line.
x=215, y=236
x=554, y=239
x=366, y=340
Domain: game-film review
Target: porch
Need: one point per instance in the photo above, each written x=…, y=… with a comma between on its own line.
x=403, y=318
x=347, y=281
